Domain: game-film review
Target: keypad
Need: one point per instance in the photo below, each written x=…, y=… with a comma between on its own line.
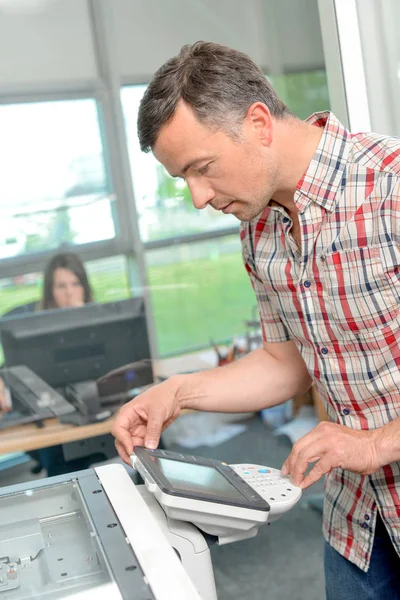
x=264, y=479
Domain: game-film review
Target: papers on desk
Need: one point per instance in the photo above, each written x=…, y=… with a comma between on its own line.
x=203, y=429
x=302, y=424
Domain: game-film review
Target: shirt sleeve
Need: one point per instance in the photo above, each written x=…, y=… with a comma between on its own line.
x=273, y=329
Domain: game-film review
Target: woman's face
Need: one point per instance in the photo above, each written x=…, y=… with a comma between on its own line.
x=67, y=289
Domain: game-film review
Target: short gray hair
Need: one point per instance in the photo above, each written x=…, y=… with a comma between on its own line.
x=217, y=82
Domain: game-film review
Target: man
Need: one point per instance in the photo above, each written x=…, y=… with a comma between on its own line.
x=320, y=238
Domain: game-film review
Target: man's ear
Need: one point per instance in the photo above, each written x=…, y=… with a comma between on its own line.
x=259, y=120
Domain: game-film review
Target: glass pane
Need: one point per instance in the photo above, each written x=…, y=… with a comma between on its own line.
x=109, y=279
x=164, y=204
x=54, y=188
x=107, y=276
x=199, y=291
x=304, y=93
x=379, y=24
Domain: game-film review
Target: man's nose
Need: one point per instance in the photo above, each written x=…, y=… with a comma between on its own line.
x=201, y=195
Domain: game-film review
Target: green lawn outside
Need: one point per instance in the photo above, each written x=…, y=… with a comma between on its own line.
x=192, y=301
x=202, y=299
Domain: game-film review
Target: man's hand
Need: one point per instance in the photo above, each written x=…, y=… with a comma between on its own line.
x=330, y=445
x=141, y=421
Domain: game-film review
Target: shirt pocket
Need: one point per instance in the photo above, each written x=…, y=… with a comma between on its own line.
x=362, y=290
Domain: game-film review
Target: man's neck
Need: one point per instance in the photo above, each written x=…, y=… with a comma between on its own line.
x=296, y=143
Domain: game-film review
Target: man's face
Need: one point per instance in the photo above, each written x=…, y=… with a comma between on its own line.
x=235, y=176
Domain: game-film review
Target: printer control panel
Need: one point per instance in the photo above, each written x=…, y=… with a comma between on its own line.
x=277, y=490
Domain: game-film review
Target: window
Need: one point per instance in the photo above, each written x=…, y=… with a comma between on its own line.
x=107, y=276
x=163, y=204
x=198, y=291
x=54, y=188
x=304, y=93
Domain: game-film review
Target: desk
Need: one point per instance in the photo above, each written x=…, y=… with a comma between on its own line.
x=25, y=438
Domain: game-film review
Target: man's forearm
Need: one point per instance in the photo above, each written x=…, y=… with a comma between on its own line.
x=254, y=382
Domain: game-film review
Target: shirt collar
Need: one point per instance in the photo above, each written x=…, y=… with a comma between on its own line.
x=323, y=179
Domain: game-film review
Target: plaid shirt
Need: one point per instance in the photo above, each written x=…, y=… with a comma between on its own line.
x=338, y=300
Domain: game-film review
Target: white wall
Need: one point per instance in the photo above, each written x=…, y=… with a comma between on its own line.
x=46, y=42
x=150, y=31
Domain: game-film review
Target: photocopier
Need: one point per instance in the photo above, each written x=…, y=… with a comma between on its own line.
x=95, y=534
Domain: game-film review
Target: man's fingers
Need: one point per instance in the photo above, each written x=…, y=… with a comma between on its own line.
x=285, y=468
x=310, y=439
x=155, y=424
x=298, y=470
x=297, y=462
x=121, y=433
x=122, y=452
x=320, y=469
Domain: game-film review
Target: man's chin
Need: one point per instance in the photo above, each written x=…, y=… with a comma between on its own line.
x=242, y=211
x=243, y=215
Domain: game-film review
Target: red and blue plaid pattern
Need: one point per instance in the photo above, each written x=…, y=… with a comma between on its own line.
x=338, y=299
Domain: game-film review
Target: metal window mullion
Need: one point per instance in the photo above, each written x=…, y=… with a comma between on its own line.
x=190, y=238
x=116, y=146
x=348, y=31
x=40, y=93
x=113, y=132
x=333, y=60
x=36, y=262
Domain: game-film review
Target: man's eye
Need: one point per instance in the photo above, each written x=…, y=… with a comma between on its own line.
x=203, y=170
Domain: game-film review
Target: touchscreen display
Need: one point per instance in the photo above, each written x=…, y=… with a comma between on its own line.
x=190, y=477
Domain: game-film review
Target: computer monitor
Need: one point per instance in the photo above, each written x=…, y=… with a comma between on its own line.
x=67, y=346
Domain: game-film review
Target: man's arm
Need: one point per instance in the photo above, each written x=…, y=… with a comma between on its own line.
x=265, y=377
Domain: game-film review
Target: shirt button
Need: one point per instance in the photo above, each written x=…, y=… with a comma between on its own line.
x=322, y=258
x=324, y=350
x=307, y=284
x=285, y=220
x=367, y=517
x=345, y=411
x=364, y=525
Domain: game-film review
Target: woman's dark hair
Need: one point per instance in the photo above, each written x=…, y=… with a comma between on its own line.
x=217, y=82
x=64, y=260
